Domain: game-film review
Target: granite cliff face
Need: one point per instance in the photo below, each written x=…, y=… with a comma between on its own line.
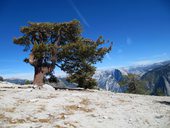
x=108, y=79
x=159, y=80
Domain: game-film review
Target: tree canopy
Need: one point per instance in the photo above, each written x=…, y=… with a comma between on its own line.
x=45, y=39
x=62, y=45
x=77, y=60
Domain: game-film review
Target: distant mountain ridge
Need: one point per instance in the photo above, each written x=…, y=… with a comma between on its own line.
x=159, y=80
x=142, y=69
x=109, y=79
x=157, y=76
x=16, y=81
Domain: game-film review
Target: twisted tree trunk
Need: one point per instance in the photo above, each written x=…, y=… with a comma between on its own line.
x=39, y=70
x=40, y=73
x=38, y=76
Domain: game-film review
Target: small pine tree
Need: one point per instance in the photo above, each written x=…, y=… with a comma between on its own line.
x=27, y=82
x=136, y=85
x=132, y=87
x=160, y=92
x=1, y=78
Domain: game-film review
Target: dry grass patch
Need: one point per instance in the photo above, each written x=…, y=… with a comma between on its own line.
x=19, y=101
x=86, y=109
x=71, y=108
x=45, y=120
x=50, y=96
x=58, y=126
x=70, y=125
x=36, y=120
x=10, y=109
x=17, y=121
x=10, y=120
x=2, y=116
x=41, y=108
x=123, y=101
x=77, y=108
x=62, y=116
x=85, y=101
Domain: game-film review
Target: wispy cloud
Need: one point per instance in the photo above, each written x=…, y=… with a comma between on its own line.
x=128, y=41
x=79, y=13
x=108, y=56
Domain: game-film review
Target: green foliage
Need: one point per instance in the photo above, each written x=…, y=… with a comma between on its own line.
x=160, y=92
x=124, y=81
x=28, y=82
x=141, y=88
x=82, y=81
x=1, y=78
x=135, y=84
x=53, y=79
x=132, y=83
x=61, y=44
x=45, y=39
x=79, y=58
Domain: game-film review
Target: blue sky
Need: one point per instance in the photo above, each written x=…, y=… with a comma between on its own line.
x=139, y=29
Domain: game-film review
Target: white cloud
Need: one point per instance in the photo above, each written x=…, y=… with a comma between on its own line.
x=78, y=13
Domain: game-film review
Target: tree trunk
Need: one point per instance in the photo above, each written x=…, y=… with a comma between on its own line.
x=38, y=76
x=40, y=73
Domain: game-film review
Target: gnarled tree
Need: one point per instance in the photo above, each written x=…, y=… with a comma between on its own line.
x=61, y=44
x=44, y=41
